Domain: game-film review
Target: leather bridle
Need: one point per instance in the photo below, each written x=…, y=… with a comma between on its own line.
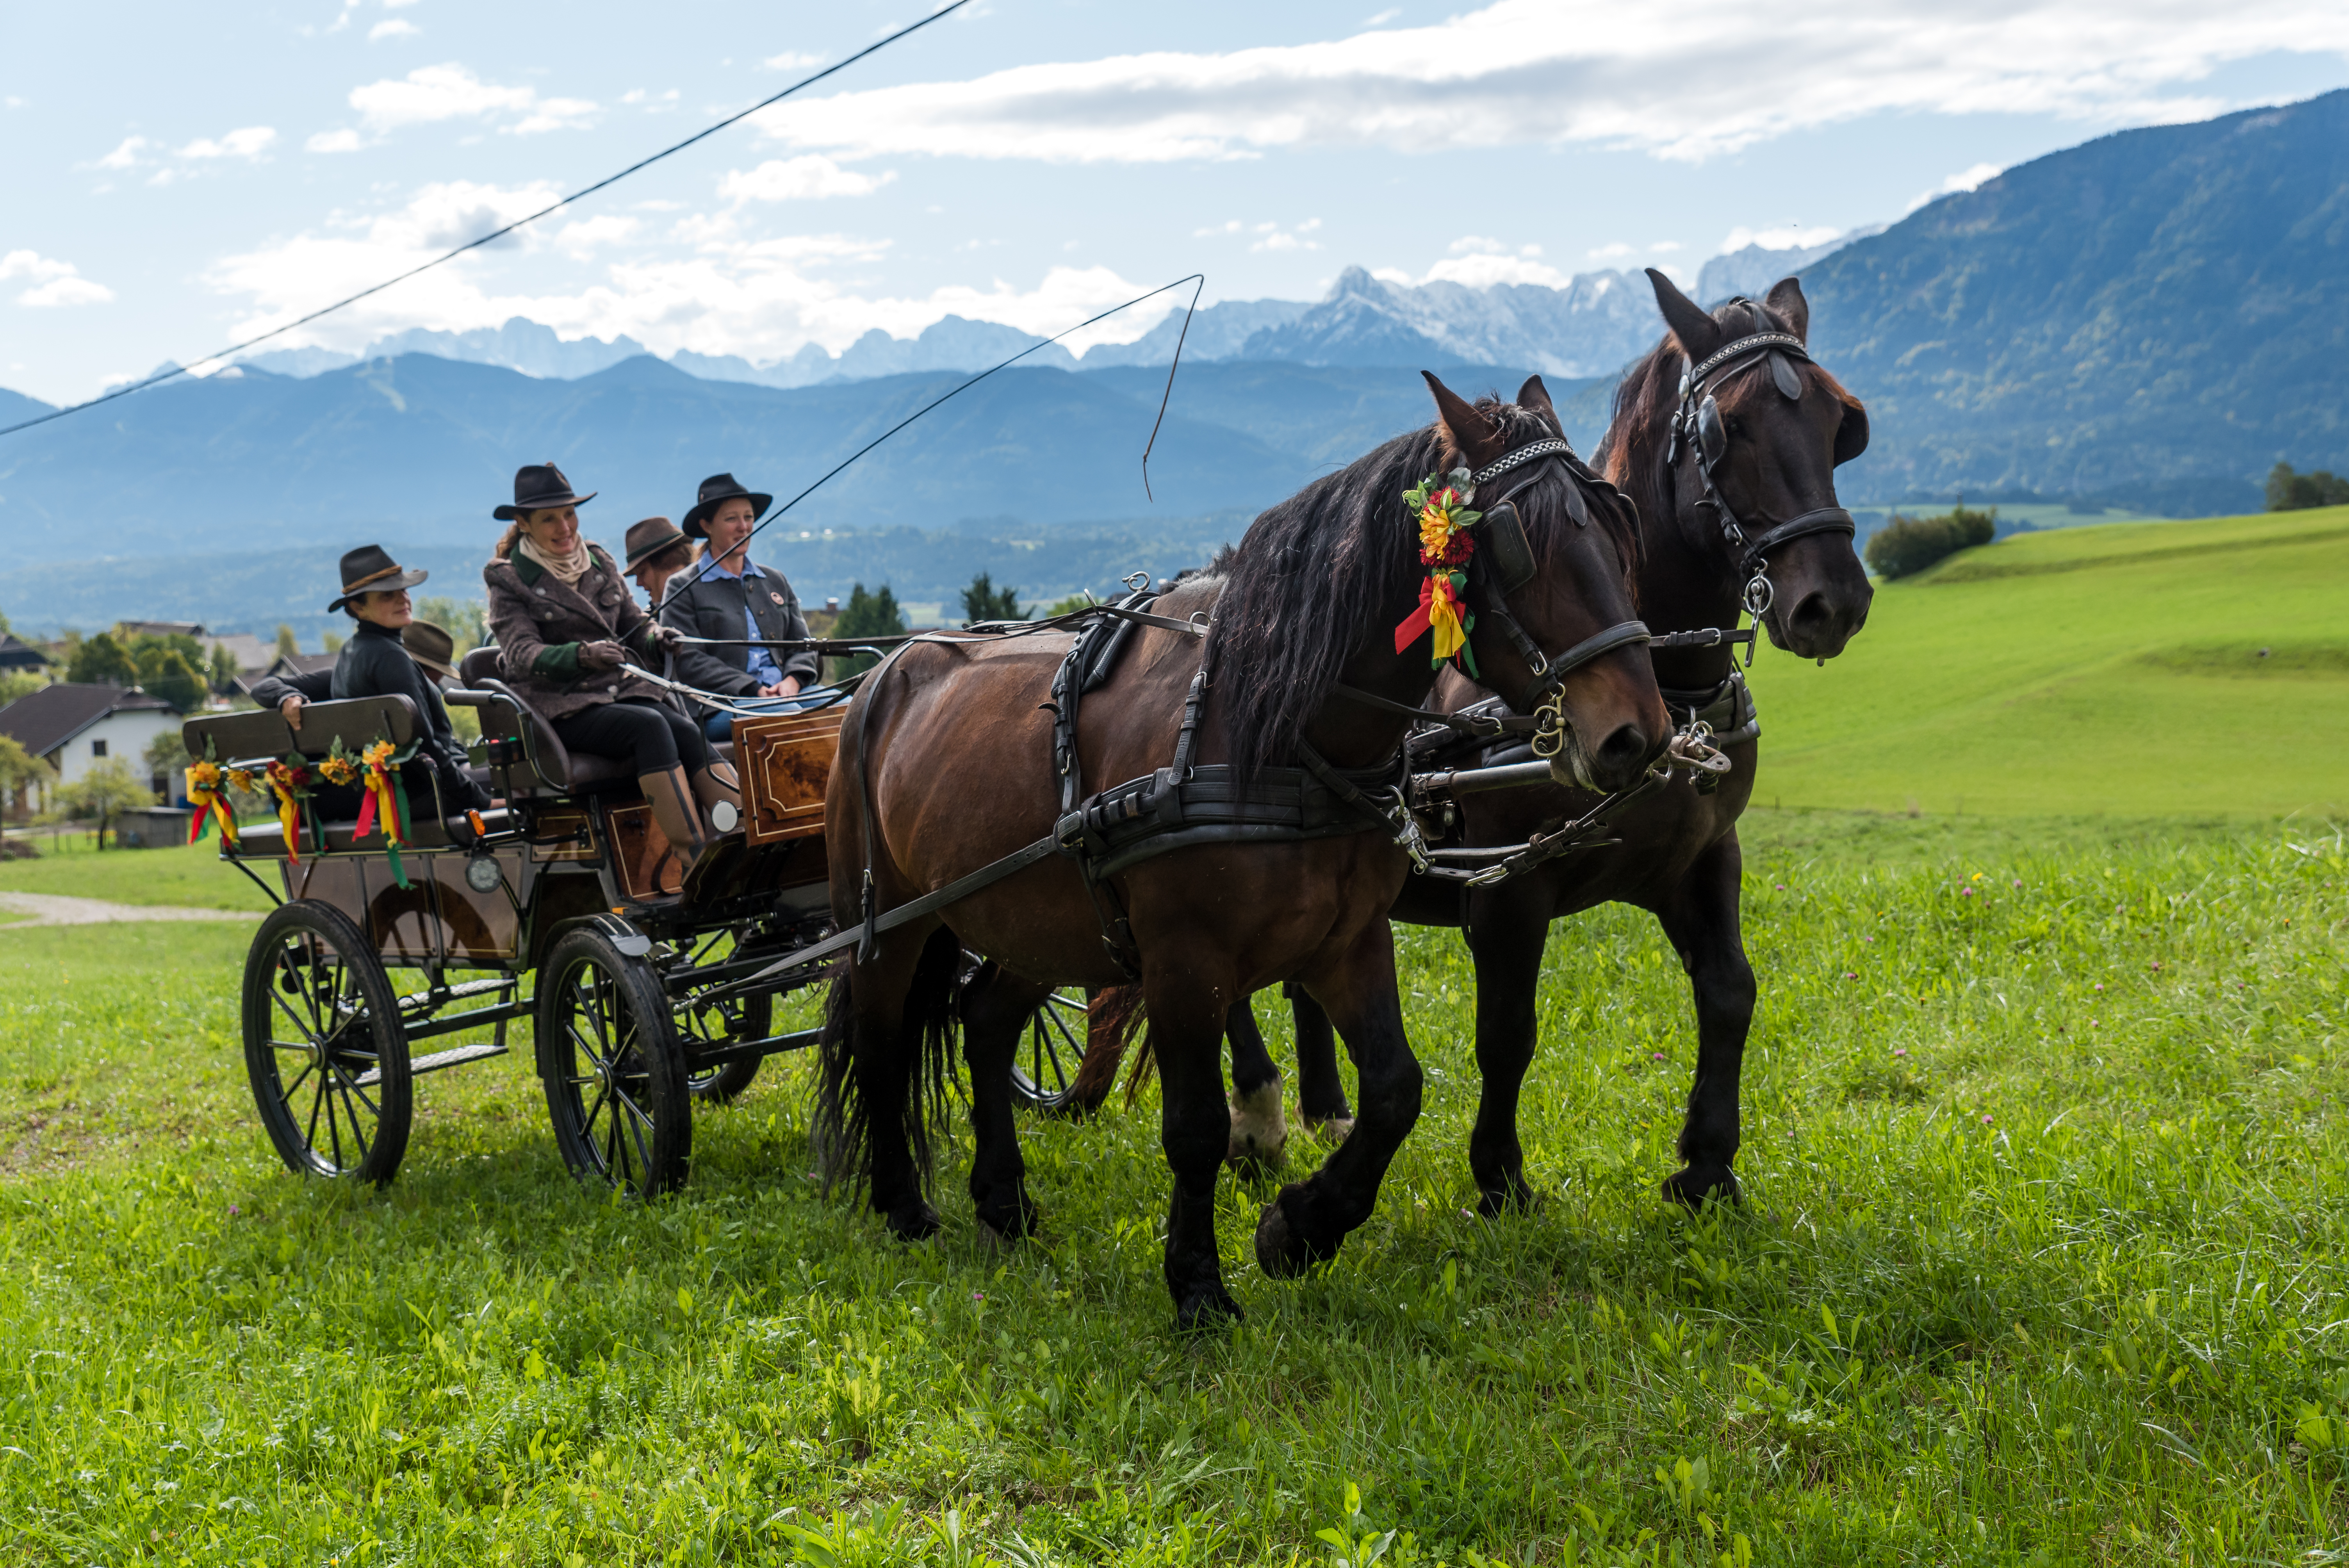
x=1697, y=428
x=1509, y=557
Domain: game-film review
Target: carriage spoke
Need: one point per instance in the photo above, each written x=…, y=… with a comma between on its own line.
x=285, y=1091
x=333, y=1125
x=317, y=1103
x=351, y=1086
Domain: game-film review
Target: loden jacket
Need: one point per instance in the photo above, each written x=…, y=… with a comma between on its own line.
x=540, y=623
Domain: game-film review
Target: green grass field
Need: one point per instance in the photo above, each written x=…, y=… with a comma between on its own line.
x=2108, y=669
x=2048, y=1173
x=2043, y=1261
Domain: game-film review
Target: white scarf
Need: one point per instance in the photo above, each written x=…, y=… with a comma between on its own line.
x=569, y=568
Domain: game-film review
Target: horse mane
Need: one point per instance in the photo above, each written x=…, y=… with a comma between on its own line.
x=1310, y=585
x=1631, y=455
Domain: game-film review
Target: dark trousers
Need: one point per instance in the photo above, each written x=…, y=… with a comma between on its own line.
x=647, y=737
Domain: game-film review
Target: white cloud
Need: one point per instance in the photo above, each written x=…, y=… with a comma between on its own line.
x=1382, y=17
x=807, y=179
x=762, y=299
x=791, y=61
x=1615, y=251
x=343, y=140
x=1964, y=179
x=430, y=94
x=1273, y=237
x=54, y=282
x=248, y=142
x=396, y=27
x=1484, y=269
x=1713, y=77
x=1784, y=237
x=127, y=155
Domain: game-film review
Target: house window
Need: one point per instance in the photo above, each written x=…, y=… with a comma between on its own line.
x=98, y=749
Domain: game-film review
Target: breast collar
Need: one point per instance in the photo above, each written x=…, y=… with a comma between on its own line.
x=1697, y=428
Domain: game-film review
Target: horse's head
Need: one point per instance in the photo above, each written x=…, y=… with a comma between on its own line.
x=1550, y=586
x=1757, y=431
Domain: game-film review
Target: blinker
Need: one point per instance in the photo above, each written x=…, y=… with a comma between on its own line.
x=1512, y=553
x=1711, y=436
x=1790, y=385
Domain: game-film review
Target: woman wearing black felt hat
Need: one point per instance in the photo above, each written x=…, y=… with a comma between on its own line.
x=566, y=623
x=726, y=599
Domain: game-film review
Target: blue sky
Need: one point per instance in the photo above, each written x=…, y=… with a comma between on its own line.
x=182, y=175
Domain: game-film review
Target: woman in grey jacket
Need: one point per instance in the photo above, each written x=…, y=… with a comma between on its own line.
x=565, y=622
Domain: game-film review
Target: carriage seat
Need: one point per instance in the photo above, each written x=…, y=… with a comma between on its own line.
x=506, y=715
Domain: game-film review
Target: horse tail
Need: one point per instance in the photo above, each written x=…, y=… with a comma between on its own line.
x=842, y=1123
x=1112, y=1017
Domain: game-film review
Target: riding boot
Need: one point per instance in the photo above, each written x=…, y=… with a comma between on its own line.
x=720, y=795
x=671, y=799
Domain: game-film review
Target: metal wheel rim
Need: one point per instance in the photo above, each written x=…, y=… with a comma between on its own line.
x=1044, y=1069
x=334, y=1069
x=622, y=1151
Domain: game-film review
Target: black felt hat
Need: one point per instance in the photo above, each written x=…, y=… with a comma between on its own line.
x=540, y=487
x=717, y=489
x=650, y=538
x=368, y=570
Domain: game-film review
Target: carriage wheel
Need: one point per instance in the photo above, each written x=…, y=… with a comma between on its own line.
x=744, y=1018
x=609, y=1057
x=1044, y=1069
x=324, y=1046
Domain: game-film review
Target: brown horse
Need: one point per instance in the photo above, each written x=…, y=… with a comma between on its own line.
x=945, y=764
x=1678, y=857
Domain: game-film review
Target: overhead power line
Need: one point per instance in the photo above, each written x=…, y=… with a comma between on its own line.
x=162, y=375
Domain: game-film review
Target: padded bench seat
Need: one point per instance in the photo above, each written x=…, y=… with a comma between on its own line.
x=268, y=840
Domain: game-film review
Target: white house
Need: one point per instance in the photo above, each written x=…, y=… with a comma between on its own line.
x=71, y=725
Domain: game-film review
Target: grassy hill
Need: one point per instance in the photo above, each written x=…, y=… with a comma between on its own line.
x=2113, y=668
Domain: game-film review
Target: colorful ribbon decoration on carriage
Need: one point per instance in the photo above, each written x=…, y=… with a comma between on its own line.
x=207, y=791
x=287, y=781
x=1445, y=547
x=386, y=801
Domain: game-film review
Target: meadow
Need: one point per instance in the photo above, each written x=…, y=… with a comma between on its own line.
x=2042, y=1259
x=2113, y=669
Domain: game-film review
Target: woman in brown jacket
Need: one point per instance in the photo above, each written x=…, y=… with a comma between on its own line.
x=564, y=620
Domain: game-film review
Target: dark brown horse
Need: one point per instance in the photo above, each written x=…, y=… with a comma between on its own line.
x=1679, y=856
x=945, y=764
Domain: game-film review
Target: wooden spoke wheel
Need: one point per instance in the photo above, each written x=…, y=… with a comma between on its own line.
x=324, y=1046
x=609, y=1057
x=1044, y=1069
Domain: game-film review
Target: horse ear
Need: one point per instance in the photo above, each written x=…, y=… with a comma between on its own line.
x=1787, y=304
x=1478, y=439
x=1699, y=333
x=1534, y=397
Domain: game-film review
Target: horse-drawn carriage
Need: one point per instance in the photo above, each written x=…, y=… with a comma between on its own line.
x=655, y=983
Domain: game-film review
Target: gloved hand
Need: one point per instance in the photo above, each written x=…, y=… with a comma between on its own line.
x=665, y=638
x=604, y=655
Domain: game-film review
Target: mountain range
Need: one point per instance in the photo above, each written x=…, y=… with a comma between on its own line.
x=2152, y=319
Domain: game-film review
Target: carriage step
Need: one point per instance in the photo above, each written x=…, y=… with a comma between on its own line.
x=457, y=1057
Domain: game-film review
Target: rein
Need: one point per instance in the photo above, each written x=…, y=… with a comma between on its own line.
x=1697, y=428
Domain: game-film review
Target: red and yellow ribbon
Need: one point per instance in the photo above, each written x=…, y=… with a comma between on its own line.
x=1445, y=547
x=381, y=804
x=207, y=787
x=285, y=781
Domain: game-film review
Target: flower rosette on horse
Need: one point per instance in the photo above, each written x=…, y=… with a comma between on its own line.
x=1444, y=548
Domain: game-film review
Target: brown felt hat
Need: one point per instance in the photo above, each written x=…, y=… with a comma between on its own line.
x=650, y=538
x=431, y=646
x=371, y=569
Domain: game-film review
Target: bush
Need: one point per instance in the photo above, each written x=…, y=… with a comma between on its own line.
x=1906, y=545
x=864, y=615
x=105, y=792
x=2289, y=492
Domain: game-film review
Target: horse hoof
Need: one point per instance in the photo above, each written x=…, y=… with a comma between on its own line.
x=1260, y=1144
x=1283, y=1249
x=913, y=1221
x=1207, y=1311
x=1511, y=1198
x=1330, y=1131
x=1007, y=1228
x=1693, y=1187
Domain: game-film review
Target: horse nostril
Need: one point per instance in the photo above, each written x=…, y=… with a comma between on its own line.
x=1624, y=750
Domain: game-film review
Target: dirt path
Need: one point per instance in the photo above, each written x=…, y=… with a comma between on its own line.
x=54, y=909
